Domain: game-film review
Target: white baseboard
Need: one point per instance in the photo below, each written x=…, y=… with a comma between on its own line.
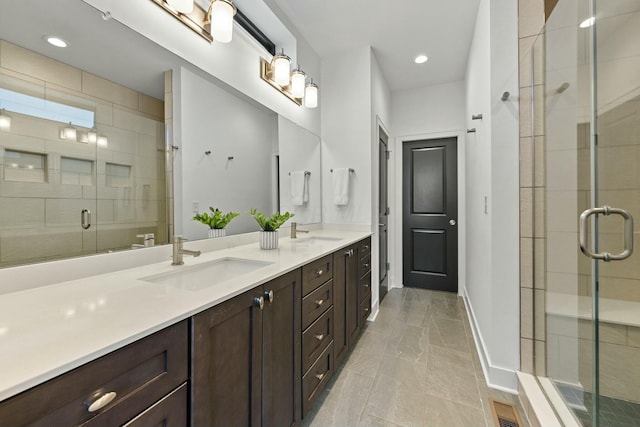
x=497, y=377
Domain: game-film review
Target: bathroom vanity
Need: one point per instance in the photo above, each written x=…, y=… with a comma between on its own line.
x=255, y=345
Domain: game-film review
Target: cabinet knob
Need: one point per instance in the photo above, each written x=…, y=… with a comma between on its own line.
x=101, y=401
x=349, y=252
x=320, y=376
x=366, y=285
x=365, y=247
x=366, y=265
x=319, y=272
x=319, y=302
x=269, y=296
x=259, y=302
x=319, y=337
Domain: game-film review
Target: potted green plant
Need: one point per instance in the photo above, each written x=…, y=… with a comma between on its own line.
x=269, y=226
x=217, y=221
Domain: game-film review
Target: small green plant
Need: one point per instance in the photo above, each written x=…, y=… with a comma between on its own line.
x=217, y=219
x=273, y=222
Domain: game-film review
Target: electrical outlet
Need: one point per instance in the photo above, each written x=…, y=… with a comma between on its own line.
x=196, y=207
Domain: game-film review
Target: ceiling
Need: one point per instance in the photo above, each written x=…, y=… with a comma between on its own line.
x=396, y=30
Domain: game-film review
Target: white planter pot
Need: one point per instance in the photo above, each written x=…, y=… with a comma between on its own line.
x=269, y=239
x=217, y=232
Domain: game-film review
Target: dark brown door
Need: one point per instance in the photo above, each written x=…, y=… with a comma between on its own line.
x=430, y=212
x=383, y=217
x=227, y=363
x=282, y=375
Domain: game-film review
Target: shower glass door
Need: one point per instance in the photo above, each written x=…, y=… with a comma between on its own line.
x=589, y=127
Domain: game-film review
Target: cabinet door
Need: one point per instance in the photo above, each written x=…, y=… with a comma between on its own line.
x=282, y=375
x=227, y=363
x=340, y=343
x=352, y=295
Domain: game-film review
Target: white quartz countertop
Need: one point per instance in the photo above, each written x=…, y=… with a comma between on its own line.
x=47, y=331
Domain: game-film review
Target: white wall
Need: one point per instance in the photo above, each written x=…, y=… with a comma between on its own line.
x=300, y=151
x=492, y=277
x=429, y=112
x=345, y=103
x=207, y=117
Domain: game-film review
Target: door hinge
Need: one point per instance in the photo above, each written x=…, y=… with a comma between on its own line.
x=388, y=266
x=387, y=211
x=388, y=154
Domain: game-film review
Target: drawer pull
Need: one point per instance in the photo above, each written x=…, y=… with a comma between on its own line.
x=319, y=337
x=320, y=376
x=269, y=296
x=319, y=272
x=319, y=302
x=366, y=265
x=366, y=310
x=259, y=302
x=102, y=401
x=366, y=285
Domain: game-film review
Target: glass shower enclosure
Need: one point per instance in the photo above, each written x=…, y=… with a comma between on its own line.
x=586, y=91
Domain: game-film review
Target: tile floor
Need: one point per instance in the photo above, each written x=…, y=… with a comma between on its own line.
x=416, y=365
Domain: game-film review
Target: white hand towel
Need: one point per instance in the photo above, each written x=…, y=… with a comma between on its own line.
x=297, y=185
x=341, y=186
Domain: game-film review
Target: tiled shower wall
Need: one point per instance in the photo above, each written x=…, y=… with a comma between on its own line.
x=41, y=220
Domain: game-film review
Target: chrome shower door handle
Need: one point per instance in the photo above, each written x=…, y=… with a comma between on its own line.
x=85, y=218
x=628, y=233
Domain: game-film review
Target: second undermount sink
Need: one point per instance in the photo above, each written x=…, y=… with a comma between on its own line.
x=207, y=274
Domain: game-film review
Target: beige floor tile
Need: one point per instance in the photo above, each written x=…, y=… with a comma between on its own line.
x=443, y=412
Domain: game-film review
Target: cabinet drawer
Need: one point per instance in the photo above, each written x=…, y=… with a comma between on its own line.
x=316, y=338
x=316, y=273
x=139, y=374
x=314, y=381
x=365, y=310
x=365, y=286
x=170, y=411
x=316, y=303
x=365, y=247
x=364, y=265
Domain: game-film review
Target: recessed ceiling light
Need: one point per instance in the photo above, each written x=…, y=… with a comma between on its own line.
x=56, y=41
x=588, y=22
x=421, y=59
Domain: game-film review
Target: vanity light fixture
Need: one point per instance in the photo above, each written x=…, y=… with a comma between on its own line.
x=281, y=65
x=69, y=132
x=5, y=121
x=182, y=6
x=311, y=95
x=220, y=16
x=298, y=80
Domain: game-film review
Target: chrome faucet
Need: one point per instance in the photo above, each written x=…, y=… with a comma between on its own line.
x=178, y=251
x=295, y=230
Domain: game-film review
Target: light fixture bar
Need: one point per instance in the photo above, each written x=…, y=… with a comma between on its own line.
x=194, y=20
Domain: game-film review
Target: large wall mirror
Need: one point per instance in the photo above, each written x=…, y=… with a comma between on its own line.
x=85, y=163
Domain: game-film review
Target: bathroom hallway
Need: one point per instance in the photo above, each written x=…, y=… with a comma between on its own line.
x=416, y=365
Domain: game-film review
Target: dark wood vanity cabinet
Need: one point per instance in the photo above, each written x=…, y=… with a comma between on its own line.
x=246, y=364
x=145, y=380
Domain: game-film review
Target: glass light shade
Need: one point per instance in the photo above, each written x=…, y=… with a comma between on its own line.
x=281, y=65
x=5, y=121
x=69, y=132
x=182, y=6
x=103, y=141
x=222, y=21
x=311, y=95
x=92, y=136
x=298, y=79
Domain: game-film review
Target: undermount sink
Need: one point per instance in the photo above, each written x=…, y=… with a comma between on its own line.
x=316, y=240
x=207, y=274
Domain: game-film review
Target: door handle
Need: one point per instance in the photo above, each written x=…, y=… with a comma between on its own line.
x=85, y=218
x=452, y=222
x=628, y=233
